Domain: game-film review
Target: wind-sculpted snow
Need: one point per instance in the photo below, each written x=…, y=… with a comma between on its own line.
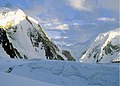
x=63, y=73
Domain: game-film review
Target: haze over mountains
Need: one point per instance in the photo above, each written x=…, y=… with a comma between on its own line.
x=61, y=20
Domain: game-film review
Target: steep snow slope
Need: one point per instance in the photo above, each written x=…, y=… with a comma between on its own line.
x=22, y=37
x=105, y=49
x=63, y=73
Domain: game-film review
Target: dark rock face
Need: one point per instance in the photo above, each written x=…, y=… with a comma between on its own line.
x=23, y=37
x=11, y=41
x=111, y=49
x=7, y=46
x=68, y=55
x=50, y=48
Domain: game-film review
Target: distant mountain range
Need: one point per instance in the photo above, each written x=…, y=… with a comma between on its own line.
x=22, y=37
x=69, y=27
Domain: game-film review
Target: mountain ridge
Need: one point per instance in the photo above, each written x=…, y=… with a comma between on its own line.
x=27, y=37
x=104, y=49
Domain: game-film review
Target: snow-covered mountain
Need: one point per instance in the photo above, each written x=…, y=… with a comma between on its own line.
x=22, y=37
x=72, y=27
x=70, y=24
x=105, y=48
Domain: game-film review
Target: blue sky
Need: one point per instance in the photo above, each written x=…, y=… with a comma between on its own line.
x=67, y=11
x=23, y=4
x=78, y=5
x=73, y=18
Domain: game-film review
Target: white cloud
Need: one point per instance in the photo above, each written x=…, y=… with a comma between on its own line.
x=104, y=19
x=76, y=24
x=62, y=27
x=54, y=24
x=90, y=5
x=80, y=5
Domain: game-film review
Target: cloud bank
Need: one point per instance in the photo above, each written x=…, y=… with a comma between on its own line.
x=90, y=5
x=79, y=5
x=104, y=19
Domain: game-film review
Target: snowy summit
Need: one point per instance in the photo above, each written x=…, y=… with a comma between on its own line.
x=22, y=37
x=105, y=48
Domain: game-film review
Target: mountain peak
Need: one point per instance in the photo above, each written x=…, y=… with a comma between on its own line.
x=11, y=18
x=24, y=38
x=105, y=49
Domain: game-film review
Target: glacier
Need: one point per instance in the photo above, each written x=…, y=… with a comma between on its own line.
x=61, y=73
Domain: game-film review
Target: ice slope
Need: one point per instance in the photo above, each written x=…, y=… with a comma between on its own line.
x=63, y=73
x=24, y=37
x=13, y=80
x=105, y=48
